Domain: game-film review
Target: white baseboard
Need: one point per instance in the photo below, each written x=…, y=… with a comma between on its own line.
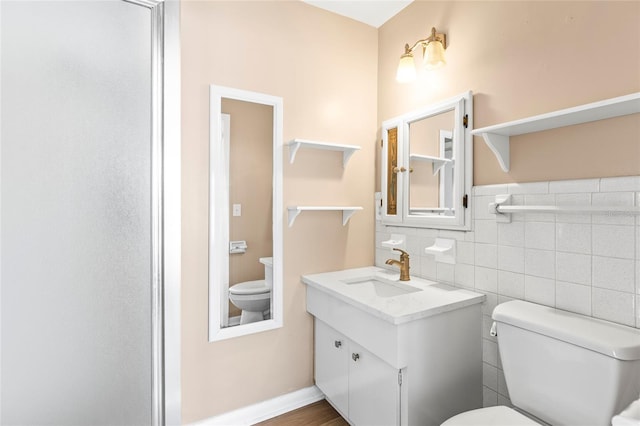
x=265, y=410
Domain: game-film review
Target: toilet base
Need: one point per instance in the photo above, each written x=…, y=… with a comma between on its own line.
x=247, y=317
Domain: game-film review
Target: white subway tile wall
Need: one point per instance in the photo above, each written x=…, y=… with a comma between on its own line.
x=584, y=263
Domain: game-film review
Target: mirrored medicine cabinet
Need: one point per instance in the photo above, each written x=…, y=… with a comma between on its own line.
x=426, y=172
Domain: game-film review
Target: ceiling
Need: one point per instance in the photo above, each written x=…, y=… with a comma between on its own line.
x=371, y=12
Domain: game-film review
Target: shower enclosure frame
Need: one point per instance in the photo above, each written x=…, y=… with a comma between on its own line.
x=165, y=201
x=171, y=205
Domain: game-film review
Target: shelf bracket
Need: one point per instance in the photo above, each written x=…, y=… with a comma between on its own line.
x=499, y=144
x=293, y=214
x=293, y=149
x=346, y=215
x=437, y=165
x=346, y=155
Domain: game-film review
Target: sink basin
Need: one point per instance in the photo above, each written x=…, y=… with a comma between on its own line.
x=381, y=287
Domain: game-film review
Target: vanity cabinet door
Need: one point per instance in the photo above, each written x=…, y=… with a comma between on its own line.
x=332, y=366
x=374, y=389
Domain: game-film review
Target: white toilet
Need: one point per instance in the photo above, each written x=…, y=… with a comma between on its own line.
x=561, y=368
x=254, y=297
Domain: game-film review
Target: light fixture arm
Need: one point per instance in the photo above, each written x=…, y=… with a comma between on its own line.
x=441, y=37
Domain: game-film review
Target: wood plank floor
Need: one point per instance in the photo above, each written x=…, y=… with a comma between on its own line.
x=319, y=413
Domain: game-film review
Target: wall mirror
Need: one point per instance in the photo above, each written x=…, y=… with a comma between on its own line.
x=427, y=166
x=245, y=212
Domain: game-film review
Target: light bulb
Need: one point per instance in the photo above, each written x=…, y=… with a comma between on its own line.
x=406, y=69
x=434, y=56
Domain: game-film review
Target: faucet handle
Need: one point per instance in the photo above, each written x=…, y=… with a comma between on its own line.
x=402, y=252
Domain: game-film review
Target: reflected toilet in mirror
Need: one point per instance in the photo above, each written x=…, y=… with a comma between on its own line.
x=253, y=297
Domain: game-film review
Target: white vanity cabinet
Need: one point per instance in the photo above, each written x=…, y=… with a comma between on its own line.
x=360, y=385
x=390, y=353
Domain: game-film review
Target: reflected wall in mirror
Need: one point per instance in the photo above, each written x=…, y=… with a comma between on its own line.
x=427, y=163
x=245, y=214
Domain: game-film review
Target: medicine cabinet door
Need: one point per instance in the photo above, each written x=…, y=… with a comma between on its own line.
x=427, y=166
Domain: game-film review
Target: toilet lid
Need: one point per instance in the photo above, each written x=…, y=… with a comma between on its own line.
x=250, y=287
x=490, y=416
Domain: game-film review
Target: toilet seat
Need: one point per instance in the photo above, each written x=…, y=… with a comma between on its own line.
x=490, y=416
x=250, y=287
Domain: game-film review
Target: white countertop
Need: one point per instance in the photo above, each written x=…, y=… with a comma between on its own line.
x=432, y=299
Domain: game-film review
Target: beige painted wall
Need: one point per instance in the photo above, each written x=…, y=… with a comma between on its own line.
x=522, y=59
x=324, y=67
x=250, y=185
x=519, y=58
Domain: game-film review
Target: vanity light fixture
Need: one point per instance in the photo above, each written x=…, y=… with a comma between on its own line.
x=433, y=56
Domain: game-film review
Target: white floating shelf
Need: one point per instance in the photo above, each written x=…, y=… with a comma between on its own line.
x=436, y=162
x=347, y=212
x=347, y=150
x=497, y=136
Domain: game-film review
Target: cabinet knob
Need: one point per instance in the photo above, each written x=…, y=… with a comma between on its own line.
x=399, y=169
x=355, y=357
x=337, y=343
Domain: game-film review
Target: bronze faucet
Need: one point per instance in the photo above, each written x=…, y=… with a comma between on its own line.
x=403, y=264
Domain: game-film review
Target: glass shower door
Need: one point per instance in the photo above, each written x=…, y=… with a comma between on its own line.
x=77, y=213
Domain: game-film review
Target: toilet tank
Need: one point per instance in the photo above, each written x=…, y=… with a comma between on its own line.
x=566, y=368
x=268, y=270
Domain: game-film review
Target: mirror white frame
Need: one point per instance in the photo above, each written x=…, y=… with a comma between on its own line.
x=462, y=105
x=219, y=216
